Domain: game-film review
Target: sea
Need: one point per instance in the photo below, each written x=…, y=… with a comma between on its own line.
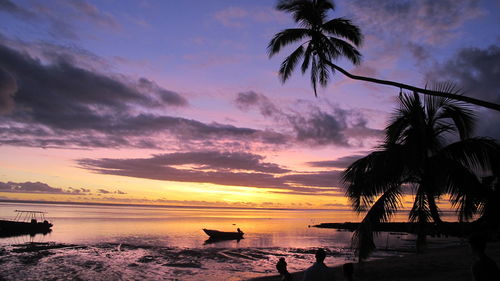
x=109, y=242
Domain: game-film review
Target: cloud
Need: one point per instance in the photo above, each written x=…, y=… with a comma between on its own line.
x=317, y=179
x=247, y=100
x=91, y=13
x=340, y=163
x=237, y=168
x=14, y=9
x=58, y=102
x=169, y=97
x=222, y=168
x=422, y=21
x=39, y=187
x=63, y=18
x=8, y=88
x=476, y=71
x=337, y=126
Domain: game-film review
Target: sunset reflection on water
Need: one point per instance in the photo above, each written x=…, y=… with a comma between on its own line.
x=182, y=227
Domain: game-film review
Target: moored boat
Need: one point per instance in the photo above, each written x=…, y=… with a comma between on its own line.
x=25, y=222
x=216, y=234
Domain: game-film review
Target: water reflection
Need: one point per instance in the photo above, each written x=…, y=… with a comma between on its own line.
x=221, y=241
x=182, y=227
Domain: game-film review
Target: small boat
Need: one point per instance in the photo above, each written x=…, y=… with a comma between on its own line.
x=223, y=235
x=25, y=222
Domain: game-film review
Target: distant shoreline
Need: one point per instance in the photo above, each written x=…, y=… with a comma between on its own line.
x=457, y=229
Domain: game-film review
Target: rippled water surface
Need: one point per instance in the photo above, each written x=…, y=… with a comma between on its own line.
x=149, y=243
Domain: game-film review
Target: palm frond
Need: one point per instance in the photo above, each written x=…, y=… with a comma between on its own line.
x=372, y=175
x=324, y=73
x=474, y=153
x=462, y=184
x=381, y=211
x=420, y=212
x=463, y=118
x=284, y=38
x=346, y=49
x=288, y=65
x=314, y=74
x=344, y=28
x=401, y=118
x=306, y=12
x=307, y=58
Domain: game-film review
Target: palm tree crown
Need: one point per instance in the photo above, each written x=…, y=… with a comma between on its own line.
x=321, y=40
x=418, y=156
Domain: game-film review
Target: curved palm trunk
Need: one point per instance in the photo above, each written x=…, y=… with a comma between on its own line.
x=467, y=99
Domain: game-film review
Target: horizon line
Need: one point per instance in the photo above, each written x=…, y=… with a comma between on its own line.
x=164, y=206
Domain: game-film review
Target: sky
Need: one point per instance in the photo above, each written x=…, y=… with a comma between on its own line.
x=178, y=103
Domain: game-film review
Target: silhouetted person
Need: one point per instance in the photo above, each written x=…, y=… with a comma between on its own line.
x=318, y=271
x=348, y=269
x=483, y=267
x=281, y=267
x=239, y=230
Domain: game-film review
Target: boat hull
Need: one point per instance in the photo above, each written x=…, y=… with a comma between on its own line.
x=10, y=228
x=220, y=235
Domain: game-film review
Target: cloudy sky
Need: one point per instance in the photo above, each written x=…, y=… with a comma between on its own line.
x=177, y=102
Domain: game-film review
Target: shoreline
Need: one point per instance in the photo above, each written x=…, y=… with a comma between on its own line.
x=450, y=263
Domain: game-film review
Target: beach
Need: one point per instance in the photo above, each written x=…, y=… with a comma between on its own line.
x=451, y=263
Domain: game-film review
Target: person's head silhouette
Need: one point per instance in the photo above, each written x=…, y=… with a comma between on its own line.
x=281, y=266
x=320, y=255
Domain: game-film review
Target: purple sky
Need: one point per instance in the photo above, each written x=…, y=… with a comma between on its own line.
x=177, y=101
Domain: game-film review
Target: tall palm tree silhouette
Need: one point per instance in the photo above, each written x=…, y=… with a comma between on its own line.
x=322, y=41
x=418, y=155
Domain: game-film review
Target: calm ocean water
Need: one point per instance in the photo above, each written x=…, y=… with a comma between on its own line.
x=150, y=243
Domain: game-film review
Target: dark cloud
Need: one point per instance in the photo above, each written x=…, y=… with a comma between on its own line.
x=14, y=9
x=249, y=99
x=477, y=72
x=8, y=88
x=340, y=163
x=62, y=90
x=166, y=96
x=215, y=160
x=317, y=179
x=320, y=128
x=315, y=127
x=39, y=187
x=419, y=52
x=57, y=103
x=222, y=168
x=105, y=191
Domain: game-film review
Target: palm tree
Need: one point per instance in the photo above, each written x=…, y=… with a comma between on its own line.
x=418, y=156
x=323, y=40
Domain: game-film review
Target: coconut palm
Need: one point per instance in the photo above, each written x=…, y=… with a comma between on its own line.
x=323, y=41
x=417, y=157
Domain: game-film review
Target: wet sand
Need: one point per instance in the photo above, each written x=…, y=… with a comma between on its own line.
x=451, y=263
